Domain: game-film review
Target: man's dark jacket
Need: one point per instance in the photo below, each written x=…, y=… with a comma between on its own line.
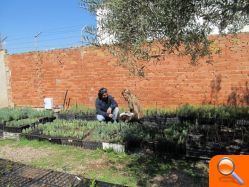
x=102, y=106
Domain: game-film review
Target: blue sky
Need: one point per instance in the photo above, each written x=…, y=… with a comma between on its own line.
x=60, y=22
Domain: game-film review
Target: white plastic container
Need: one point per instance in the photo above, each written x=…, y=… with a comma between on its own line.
x=115, y=147
x=48, y=103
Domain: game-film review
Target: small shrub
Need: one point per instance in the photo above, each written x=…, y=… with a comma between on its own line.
x=177, y=132
x=187, y=111
x=22, y=122
x=9, y=114
x=39, y=113
x=109, y=132
x=71, y=129
x=79, y=109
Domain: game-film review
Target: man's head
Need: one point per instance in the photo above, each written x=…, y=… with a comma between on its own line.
x=103, y=94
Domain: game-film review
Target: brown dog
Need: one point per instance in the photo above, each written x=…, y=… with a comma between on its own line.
x=135, y=112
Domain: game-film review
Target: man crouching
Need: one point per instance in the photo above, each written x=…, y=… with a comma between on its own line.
x=106, y=106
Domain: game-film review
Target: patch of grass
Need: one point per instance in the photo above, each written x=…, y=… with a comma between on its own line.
x=108, y=166
x=34, y=144
x=94, y=164
x=146, y=166
x=7, y=142
x=112, y=176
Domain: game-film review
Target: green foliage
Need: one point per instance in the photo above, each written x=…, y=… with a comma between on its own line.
x=210, y=111
x=204, y=111
x=146, y=29
x=177, y=132
x=184, y=111
x=103, y=132
x=160, y=111
x=172, y=131
x=119, y=132
x=109, y=132
x=27, y=130
x=8, y=114
x=135, y=132
x=93, y=183
x=39, y=113
x=22, y=122
x=237, y=112
x=58, y=157
x=78, y=109
x=71, y=129
x=187, y=110
x=65, y=129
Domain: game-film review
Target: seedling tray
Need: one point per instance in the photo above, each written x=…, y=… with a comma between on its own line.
x=199, y=153
x=55, y=179
x=7, y=167
x=207, y=141
x=19, y=129
x=2, y=125
x=19, y=175
x=87, y=117
x=46, y=119
x=93, y=145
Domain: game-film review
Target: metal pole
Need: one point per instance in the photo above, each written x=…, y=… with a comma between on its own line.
x=65, y=97
x=36, y=40
x=81, y=34
x=2, y=42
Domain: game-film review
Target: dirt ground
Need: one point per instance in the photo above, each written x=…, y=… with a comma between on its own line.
x=23, y=154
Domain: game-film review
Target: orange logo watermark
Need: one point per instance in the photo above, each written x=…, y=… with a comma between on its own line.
x=229, y=170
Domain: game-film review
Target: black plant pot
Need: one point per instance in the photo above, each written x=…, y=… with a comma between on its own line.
x=148, y=145
x=55, y=140
x=35, y=137
x=15, y=129
x=2, y=124
x=87, y=117
x=190, y=119
x=89, y=182
x=170, y=148
x=91, y=145
x=62, y=116
x=242, y=122
x=46, y=119
x=133, y=144
x=206, y=121
x=71, y=141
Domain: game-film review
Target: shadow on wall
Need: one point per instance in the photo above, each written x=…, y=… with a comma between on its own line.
x=239, y=95
x=215, y=89
x=215, y=86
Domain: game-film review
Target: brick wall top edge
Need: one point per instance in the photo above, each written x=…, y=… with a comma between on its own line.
x=52, y=50
x=213, y=36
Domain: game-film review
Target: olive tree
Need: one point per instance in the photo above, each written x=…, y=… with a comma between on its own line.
x=146, y=29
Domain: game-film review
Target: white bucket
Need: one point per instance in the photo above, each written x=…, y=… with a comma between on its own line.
x=48, y=103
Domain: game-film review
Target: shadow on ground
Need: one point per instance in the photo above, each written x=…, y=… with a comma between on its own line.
x=152, y=170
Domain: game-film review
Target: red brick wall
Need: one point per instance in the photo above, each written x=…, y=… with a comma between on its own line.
x=169, y=83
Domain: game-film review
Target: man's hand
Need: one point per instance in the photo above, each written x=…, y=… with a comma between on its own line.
x=109, y=111
x=110, y=115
